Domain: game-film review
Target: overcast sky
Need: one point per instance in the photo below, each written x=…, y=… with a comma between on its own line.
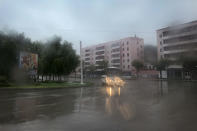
x=94, y=21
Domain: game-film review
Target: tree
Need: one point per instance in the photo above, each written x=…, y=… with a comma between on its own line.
x=189, y=63
x=59, y=58
x=162, y=65
x=54, y=56
x=11, y=43
x=90, y=70
x=138, y=65
x=103, y=65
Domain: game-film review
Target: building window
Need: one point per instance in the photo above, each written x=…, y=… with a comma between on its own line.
x=123, y=49
x=123, y=66
x=179, y=31
x=160, y=50
x=178, y=39
x=98, y=62
x=118, y=66
x=87, y=50
x=87, y=63
x=86, y=59
x=160, y=35
x=123, y=54
x=127, y=54
x=115, y=61
x=160, y=42
x=127, y=48
x=127, y=42
x=99, y=57
x=127, y=60
x=115, y=55
x=116, y=50
x=87, y=54
x=115, y=45
x=100, y=48
x=100, y=52
x=123, y=61
x=128, y=66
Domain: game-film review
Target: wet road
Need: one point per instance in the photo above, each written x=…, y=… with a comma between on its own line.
x=139, y=106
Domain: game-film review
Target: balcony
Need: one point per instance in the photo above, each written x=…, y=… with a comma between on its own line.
x=178, y=51
x=87, y=60
x=180, y=43
x=99, y=60
x=100, y=57
x=115, y=47
x=115, y=64
x=180, y=35
x=115, y=51
x=180, y=30
x=179, y=39
x=115, y=56
x=189, y=46
x=98, y=53
x=101, y=48
x=87, y=55
x=115, y=61
x=87, y=63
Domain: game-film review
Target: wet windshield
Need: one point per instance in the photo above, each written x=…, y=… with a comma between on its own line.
x=98, y=65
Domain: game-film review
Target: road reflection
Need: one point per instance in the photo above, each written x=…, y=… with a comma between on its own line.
x=139, y=105
x=115, y=105
x=27, y=106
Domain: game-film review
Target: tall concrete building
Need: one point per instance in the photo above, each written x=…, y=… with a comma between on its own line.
x=118, y=53
x=174, y=41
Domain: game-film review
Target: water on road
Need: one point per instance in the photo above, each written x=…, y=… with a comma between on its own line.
x=138, y=106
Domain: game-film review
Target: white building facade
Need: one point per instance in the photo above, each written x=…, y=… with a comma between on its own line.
x=174, y=41
x=118, y=53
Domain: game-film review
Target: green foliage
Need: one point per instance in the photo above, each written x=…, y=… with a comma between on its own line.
x=103, y=65
x=59, y=59
x=162, y=64
x=137, y=64
x=54, y=56
x=189, y=63
x=91, y=68
x=10, y=46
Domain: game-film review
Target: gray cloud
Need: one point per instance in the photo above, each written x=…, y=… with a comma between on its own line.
x=94, y=21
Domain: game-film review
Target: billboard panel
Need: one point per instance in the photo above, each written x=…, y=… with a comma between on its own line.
x=28, y=62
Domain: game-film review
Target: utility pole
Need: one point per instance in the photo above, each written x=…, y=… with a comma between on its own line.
x=81, y=64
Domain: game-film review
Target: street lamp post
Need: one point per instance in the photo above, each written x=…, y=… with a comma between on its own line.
x=81, y=63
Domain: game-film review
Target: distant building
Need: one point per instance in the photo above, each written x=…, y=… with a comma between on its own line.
x=174, y=41
x=118, y=53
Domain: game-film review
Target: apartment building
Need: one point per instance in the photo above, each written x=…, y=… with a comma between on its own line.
x=174, y=41
x=118, y=53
